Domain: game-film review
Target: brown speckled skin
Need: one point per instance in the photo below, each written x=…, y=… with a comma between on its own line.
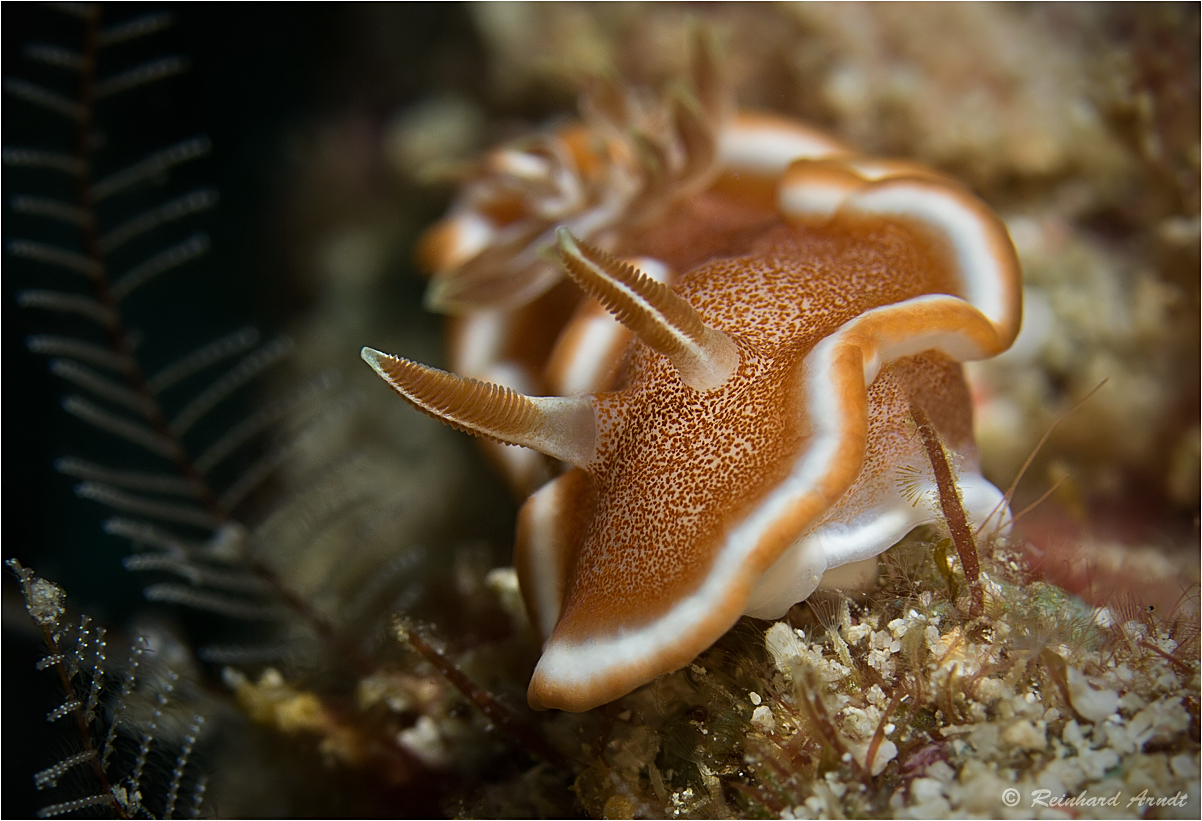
x=675, y=466
x=793, y=242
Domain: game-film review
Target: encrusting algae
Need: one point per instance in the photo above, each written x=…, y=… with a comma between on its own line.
x=900, y=705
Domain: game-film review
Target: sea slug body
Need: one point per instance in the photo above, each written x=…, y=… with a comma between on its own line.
x=713, y=404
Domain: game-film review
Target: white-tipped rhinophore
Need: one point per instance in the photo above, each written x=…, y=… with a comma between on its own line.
x=704, y=356
x=562, y=428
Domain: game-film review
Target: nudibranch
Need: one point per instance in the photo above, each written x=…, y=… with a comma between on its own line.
x=713, y=403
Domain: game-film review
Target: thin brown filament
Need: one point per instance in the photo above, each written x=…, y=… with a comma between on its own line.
x=1005, y=500
x=1038, y=501
x=879, y=736
x=953, y=509
x=495, y=711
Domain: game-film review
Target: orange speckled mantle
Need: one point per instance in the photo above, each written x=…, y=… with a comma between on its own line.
x=767, y=306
